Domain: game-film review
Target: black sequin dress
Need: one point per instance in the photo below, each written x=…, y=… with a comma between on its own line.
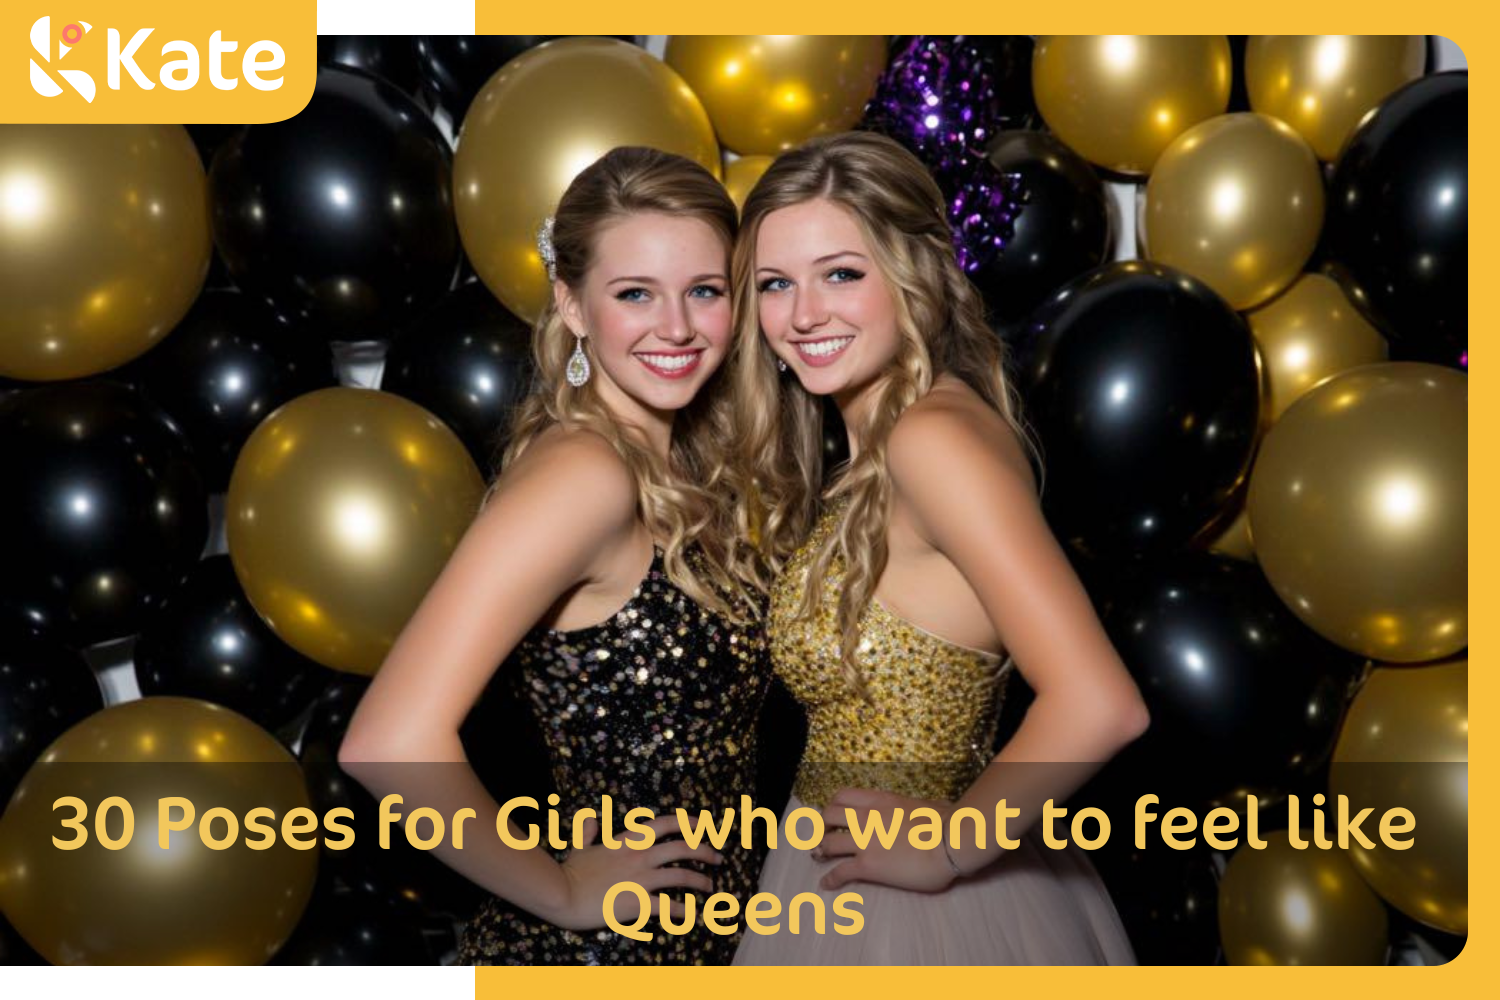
x=656, y=707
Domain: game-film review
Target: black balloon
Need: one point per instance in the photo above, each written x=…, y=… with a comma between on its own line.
x=390, y=57
x=45, y=688
x=226, y=366
x=1167, y=899
x=1011, y=55
x=209, y=137
x=455, y=68
x=219, y=278
x=1244, y=698
x=13, y=948
x=1143, y=390
x=469, y=363
x=342, y=216
x=207, y=642
x=1432, y=946
x=1398, y=218
x=402, y=875
x=1061, y=231
x=1239, y=94
x=104, y=513
x=345, y=928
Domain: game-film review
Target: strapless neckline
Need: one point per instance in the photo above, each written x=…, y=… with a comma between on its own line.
x=656, y=706
x=880, y=607
x=924, y=723
x=658, y=556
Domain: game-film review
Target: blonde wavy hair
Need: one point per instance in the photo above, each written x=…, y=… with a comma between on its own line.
x=942, y=330
x=697, y=497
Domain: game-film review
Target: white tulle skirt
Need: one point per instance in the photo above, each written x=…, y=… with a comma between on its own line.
x=1034, y=906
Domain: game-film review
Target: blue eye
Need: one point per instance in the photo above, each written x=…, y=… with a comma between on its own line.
x=841, y=275
x=774, y=285
x=706, y=292
x=632, y=295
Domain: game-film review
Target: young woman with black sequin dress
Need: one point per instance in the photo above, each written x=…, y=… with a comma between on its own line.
x=607, y=568
x=916, y=582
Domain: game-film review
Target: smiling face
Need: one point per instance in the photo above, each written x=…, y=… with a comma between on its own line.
x=825, y=308
x=654, y=306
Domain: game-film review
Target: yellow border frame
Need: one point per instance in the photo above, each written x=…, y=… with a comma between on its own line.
x=1465, y=25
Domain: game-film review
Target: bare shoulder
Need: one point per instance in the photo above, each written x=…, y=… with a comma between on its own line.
x=952, y=435
x=569, y=475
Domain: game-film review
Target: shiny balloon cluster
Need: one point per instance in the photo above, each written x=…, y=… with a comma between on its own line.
x=1233, y=392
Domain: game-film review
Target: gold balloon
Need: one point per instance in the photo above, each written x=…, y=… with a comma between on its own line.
x=1359, y=507
x=741, y=175
x=1236, y=202
x=104, y=244
x=767, y=93
x=1323, y=85
x=1282, y=906
x=343, y=507
x=139, y=904
x=1308, y=334
x=1405, y=742
x=1119, y=100
x=538, y=122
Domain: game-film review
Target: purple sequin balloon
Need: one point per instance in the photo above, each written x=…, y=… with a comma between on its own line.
x=940, y=98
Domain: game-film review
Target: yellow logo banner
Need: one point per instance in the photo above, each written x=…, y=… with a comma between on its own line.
x=163, y=61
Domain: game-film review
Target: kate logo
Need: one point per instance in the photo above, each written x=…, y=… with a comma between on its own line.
x=175, y=74
x=191, y=62
x=41, y=41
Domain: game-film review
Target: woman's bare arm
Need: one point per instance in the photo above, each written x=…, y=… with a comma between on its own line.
x=963, y=476
x=558, y=514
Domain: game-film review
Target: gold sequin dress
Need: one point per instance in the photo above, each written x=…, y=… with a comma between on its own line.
x=655, y=707
x=926, y=732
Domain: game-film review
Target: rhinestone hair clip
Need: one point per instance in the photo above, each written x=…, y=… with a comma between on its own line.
x=545, y=248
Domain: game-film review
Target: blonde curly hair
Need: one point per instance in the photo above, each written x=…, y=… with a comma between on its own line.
x=941, y=330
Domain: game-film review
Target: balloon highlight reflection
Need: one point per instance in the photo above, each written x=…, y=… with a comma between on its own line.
x=1359, y=510
x=140, y=904
x=342, y=510
x=104, y=244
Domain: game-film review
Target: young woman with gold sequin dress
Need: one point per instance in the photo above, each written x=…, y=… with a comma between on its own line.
x=606, y=568
x=913, y=586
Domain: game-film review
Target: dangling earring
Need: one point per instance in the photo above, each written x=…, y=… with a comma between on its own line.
x=780, y=365
x=578, y=366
